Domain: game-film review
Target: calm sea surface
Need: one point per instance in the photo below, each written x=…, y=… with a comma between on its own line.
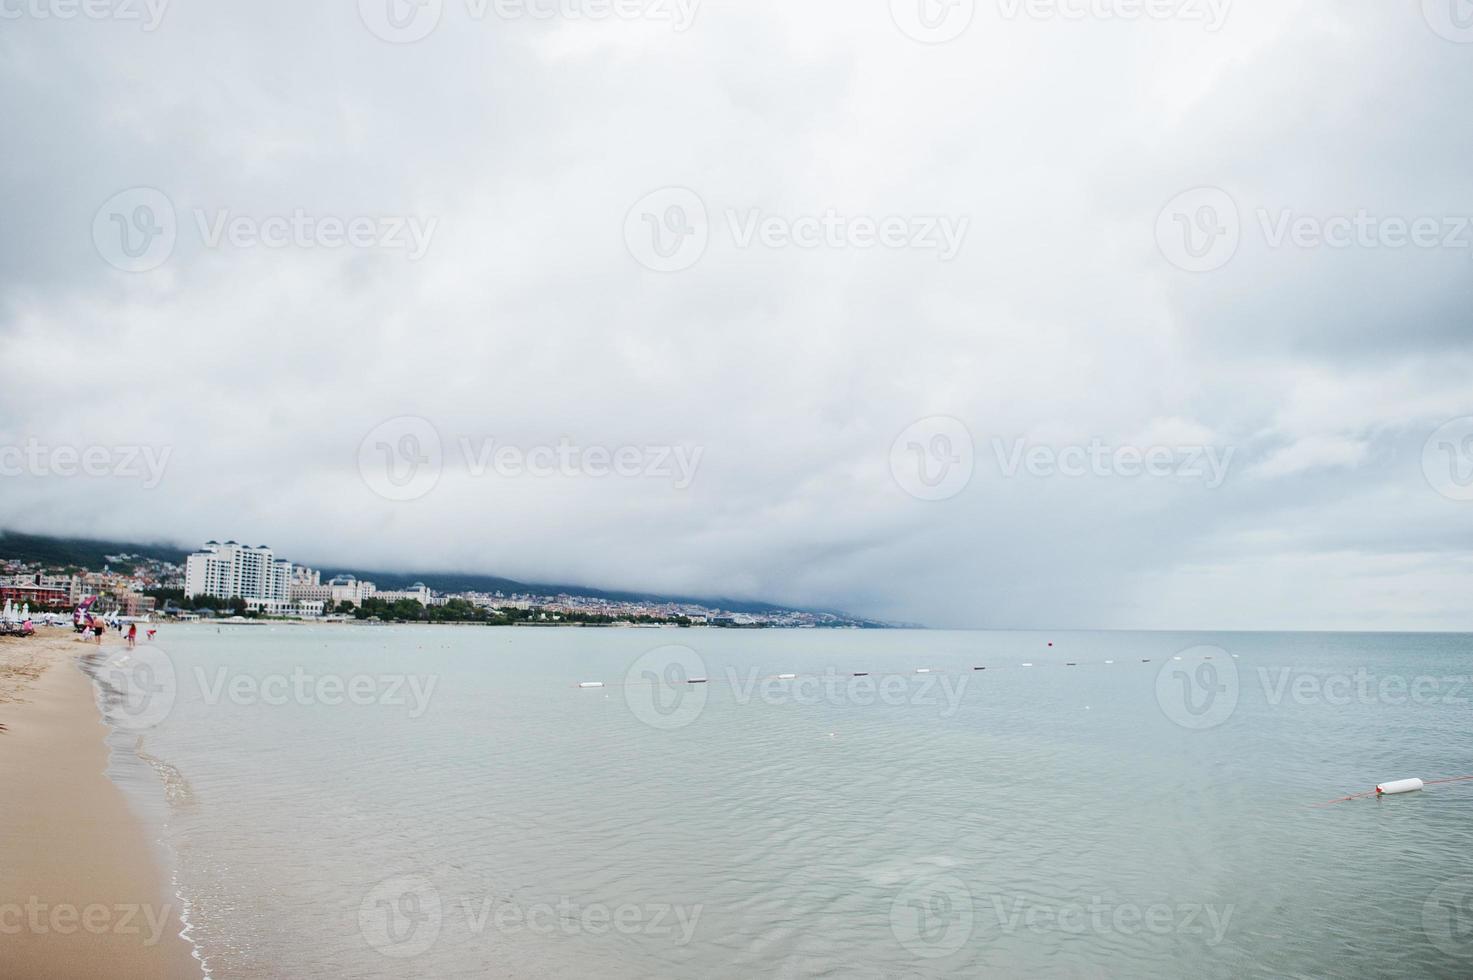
x=447, y=802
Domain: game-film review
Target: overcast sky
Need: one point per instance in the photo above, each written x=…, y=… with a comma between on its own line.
x=869, y=293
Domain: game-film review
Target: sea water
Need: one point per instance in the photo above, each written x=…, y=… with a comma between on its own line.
x=407, y=801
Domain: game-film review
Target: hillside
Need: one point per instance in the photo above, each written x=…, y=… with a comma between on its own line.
x=89, y=553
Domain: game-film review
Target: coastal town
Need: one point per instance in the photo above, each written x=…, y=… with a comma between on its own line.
x=250, y=582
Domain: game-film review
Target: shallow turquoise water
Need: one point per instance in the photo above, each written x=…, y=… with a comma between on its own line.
x=1115, y=820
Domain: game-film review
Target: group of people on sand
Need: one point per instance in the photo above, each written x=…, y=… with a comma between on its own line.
x=96, y=625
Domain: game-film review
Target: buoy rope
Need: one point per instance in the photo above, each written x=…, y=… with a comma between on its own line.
x=918, y=672
x=933, y=672
x=1425, y=782
x=1345, y=799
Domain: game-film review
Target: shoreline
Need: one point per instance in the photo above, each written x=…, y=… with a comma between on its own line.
x=83, y=892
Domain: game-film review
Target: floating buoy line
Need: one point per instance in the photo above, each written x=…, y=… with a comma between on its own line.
x=1397, y=787
x=918, y=671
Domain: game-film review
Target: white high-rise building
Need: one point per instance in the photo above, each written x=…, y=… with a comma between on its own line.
x=230, y=569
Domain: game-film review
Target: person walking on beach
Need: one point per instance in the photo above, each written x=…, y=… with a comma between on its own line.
x=132, y=634
x=98, y=626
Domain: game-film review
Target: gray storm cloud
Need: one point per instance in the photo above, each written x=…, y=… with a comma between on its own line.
x=714, y=238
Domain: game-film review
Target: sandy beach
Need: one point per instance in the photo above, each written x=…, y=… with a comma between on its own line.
x=81, y=892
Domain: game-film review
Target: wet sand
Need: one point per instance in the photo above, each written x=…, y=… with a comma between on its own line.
x=82, y=894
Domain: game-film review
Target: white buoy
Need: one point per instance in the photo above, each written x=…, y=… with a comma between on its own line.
x=1027, y=665
x=923, y=670
x=592, y=684
x=1399, y=786
x=787, y=677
